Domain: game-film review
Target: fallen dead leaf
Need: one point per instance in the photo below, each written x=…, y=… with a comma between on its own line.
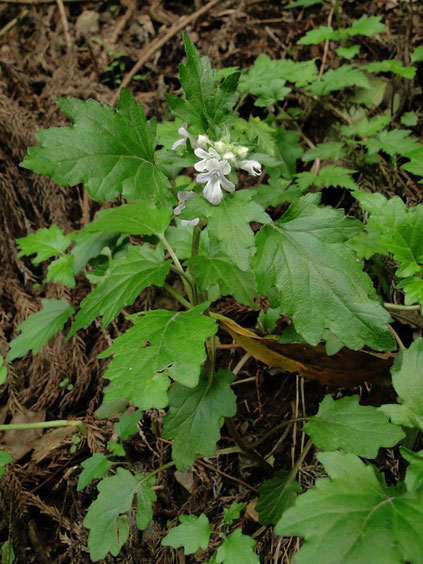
x=50, y=441
x=19, y=443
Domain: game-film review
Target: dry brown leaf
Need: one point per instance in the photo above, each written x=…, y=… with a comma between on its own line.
x=50, y=441
x=19, y=443
x=346, y=368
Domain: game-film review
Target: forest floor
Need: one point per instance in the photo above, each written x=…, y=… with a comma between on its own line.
x=86, y=51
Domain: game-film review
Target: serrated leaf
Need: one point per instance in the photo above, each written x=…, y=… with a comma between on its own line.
x=366, y=25
x=44, y=243
x=368, y=522
x=237, y=549
x=38, y=329
x=110, y=151
x=409, y=119
x=414, y=477
x=61, y=271
x=205, y=105
x=287, y=150
x=128, y=277
x=5, y=459
x=407, y=379
x=192, y=533
x=94, y=468
x=332, y=150
x=180, y=239
x=320, y=283
x=88, y=246
x=229, y=223
x=275, y=496
x=231, y=513
x=395, y=67
x=316, y=36
x=127, y=424
x=373, y=96
x=262, y=134
x=345, y=424
x=395, y=142
x=142, y=218
x=145, y=499
x=194, y=416
x=109, y=529
x=344, y=77
x=348, y=52
x=413, y=290
x=218, y=268
x=329, y=175
x=159, y=345
x=366, y=127
x=417, y=55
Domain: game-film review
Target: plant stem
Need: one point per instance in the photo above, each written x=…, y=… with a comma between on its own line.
x=194, y=252
x=277, y=428
x=177, y=295
x=400, y=307
x=46, y=425
x=185, y=277
x=294, y=471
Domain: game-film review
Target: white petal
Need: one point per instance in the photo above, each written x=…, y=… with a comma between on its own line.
x=213, y=164
x=179, y=208
x=224, y=167
x=201, y=166
x=192, y=222
x=212, y=191
x=185, y=195
x=178, y=143
x=201, y=153
x=227, y=184
x=203, y=141
x=183, y=130
x=252, y=167
x=204, y=177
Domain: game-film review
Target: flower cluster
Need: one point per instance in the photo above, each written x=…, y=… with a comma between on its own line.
x=215, y=165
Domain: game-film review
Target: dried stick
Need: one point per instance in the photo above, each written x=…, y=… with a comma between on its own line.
x=159, y=43
x=64, y=23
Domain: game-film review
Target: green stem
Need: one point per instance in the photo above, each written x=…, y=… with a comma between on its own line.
x=399, y=307
x=185, y=277
x=45, y=425
x=277, y=428
x=196, y=234
x=177, y=295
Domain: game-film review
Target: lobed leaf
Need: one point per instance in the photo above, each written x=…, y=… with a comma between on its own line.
x=44, y=243
x=276, y=495
x=192, y=533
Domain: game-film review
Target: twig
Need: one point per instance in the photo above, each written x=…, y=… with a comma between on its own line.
x=35, y=2
x=64, y=23
x=326, y=47
x=13, y=22
x=210, y=467
x=159, y=43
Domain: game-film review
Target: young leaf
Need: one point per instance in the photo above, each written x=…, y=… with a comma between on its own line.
x=345, y=424
x=5, y=459
x=229, y=223
x=155, y=348
x=231, y=513
x=368, y=522
x=237, y=549
x=329, y=175
x=394, y=142
x=38, y=329
x=218, y=268
x=414, y=477
x=417, y=54
x=44, y=243
x=61, y=271
x=338, y=79
x=366, y=25
x=145, y=499
x=316, y=36
x=194, y=416
x=409, y=119
x=127, y=424
x=319, y=280
x=128, y=276
x=407, y=379
x=94, y=468
x=89, y=245
x=275, y=496
x=192, y=533
x=324, y=151
x=395, y=67
x=413, y=290
x=110, y=151
x=3, y=371
x=287, y=151
x=109, y=529
x=142, y=218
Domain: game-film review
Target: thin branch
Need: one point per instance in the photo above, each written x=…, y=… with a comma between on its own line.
x=65, y=24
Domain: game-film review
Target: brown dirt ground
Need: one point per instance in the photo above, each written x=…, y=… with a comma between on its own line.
x=40, y=510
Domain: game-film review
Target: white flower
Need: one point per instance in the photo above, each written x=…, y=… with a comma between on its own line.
x=252, y=167
x=205, y=157
x=192, y=222
x=241, y=152
x=203, y=141
x=230, y=157
x=185, y=135
x=183, y=196
x=215, y=180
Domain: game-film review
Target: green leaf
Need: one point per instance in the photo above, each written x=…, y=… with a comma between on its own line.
x=7, y=553
x=332, y=150
x=275, y=496
x=237, y=549
x=262, y=134
x=320, y=283
x=205, y=105
x=329, y=175
x=368, y=522
x=89, y=245
x=5, y=459
x=127, y=424
x=392, y=228
x=160, y=344
x=61, y=271
x=194, y=416
x=417, y=54
x=414, y=477
x=128, y=277
x=38, y=329
x=366, y=127
x=94, y=468
x=3, y=371
x=394, y=142
x=345, y=424
x=231, y=513
x=145, y=499
x=287, y=151
x=415, y=165
x=316, y=36
x=229, y=223
x=338, y=79
x=413, y=290
x=371, y=97
x=180, y=239
x=142, y=218
x=395, y=67
x=115, y=448
x=301, y=4
x=110, y=151
x=265, y=80
x=366, y=25
x=45, y=243
x=409, y=119
x=407, y=379
x=218, y=268
x=192, y=533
